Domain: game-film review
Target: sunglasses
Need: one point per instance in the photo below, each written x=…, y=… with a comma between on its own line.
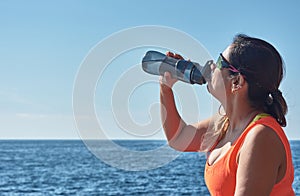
x=223, y=63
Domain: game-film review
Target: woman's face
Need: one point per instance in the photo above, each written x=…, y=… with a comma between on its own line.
x=219, y=83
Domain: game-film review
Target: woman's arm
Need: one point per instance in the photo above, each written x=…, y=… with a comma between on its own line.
x=180, y=136
x=260, y=162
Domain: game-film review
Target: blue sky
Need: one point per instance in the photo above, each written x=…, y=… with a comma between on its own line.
x=43, y=44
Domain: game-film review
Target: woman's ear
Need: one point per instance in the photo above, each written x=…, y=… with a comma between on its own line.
x=238, y=82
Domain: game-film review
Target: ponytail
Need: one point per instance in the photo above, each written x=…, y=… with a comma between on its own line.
x=277, y=107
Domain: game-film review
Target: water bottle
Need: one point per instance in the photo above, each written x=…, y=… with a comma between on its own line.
x=191, y=72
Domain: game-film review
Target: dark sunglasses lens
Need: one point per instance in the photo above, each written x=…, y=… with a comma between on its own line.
x=219, y=63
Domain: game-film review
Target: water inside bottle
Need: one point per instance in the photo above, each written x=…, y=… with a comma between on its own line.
x=152, y=61
x=157, y=63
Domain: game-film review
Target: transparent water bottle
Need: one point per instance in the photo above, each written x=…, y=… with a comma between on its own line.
x=158, y=63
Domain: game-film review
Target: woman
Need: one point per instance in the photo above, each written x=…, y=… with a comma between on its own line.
x=248, y=152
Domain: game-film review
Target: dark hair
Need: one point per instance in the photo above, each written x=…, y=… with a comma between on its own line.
x=263, y=68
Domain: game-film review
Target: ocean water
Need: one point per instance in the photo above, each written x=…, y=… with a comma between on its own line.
x=58, y=167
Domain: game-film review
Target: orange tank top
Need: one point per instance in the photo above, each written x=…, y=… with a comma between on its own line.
x=220, y=177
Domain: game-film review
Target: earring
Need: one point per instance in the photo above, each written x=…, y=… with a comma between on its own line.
x=234, y=90
x=219, y=111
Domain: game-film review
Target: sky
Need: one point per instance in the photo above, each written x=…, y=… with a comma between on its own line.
x=44, y=44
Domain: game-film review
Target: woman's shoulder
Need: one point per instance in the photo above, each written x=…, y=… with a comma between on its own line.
x=262, y=135
x=264, y=130
x=263, y=142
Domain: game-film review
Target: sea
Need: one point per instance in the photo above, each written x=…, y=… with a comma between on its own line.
x=69, y=167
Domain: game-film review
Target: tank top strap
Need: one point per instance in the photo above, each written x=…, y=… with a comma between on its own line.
x=259, y=116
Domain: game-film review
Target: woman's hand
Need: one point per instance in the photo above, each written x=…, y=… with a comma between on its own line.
x=167, y=78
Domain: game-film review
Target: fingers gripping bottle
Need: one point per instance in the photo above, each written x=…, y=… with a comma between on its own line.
x=158, y=63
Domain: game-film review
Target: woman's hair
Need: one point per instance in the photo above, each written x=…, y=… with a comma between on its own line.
x=262, y=66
